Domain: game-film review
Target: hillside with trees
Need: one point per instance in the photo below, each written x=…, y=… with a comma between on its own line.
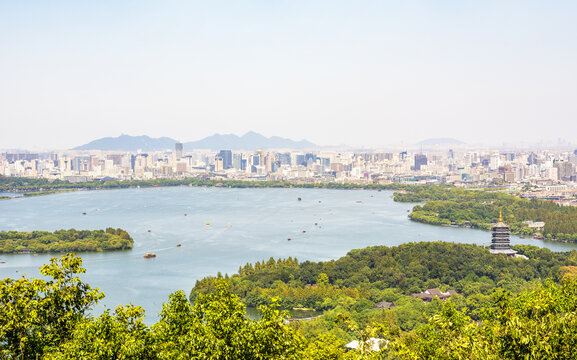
x=446, y=205
x=346, y=291
x=64, y=241
x=50, y=318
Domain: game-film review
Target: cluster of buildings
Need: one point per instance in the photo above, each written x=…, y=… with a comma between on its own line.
x=552, y=172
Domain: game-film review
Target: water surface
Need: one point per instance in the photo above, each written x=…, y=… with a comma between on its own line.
x=246, y=225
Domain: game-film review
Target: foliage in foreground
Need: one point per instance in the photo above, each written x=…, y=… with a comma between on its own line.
x=64, y=241
x=48, y=320
x=36, y=315
x=537, y=324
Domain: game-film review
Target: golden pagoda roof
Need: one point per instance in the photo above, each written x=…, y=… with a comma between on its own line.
x=500, y=223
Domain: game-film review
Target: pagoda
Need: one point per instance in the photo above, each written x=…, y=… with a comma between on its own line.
x=500, y=242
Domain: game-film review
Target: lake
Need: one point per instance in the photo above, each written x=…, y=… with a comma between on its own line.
x=219, y=229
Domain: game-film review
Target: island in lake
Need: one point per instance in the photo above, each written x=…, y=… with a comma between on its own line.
x=17, y=242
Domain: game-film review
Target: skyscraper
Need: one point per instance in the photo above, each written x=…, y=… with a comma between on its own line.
x=420, y=160
x=237, y=162
x=178, y=150
x=218, y=163
x=226, y=156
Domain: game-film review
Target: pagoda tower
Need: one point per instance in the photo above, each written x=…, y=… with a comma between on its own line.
x=500, y=243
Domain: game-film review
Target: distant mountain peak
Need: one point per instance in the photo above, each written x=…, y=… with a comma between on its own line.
x=126, y=142
x=249, y=141
x=440, y=142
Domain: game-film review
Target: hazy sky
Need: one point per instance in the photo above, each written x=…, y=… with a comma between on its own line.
x=356, y=72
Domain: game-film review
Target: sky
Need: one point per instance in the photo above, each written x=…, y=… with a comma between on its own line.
x=361, y=73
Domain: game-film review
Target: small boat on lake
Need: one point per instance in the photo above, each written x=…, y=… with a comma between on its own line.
x=149, y=255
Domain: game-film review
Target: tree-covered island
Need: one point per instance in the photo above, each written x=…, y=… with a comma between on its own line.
x=64, y=241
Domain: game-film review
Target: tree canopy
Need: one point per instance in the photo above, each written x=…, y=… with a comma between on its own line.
x=64, y=241
x=447, y=205
x=50, y=319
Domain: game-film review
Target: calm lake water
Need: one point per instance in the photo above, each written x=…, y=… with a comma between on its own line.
x=246, y=225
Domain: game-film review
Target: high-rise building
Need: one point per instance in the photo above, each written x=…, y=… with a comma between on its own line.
x=255, y=159
x=284, y=158
x=20, y=156
x=420, y=160
x=237, y=162
x=178, y=150
x=218, y=163
x=81, y=163
x=565, y=170
x=226, y=156
x=300, y=160
x=494, y=161
x=310, y=159
x=532, y=159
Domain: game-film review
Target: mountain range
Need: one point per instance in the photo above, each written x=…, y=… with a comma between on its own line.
x=440, y=142
x=249, y=141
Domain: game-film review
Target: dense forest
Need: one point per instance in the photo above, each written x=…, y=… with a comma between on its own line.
x=64, y=241
x=447, y=205
x=50, y=318
x=351, y=286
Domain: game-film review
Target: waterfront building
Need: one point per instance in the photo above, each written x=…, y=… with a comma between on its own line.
x=500, y=243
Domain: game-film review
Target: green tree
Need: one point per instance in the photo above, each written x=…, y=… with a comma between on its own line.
x=216, y=327
x=119, y=336
x=36, y=315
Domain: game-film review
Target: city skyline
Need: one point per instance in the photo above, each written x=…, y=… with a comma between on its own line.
x=364, y=74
